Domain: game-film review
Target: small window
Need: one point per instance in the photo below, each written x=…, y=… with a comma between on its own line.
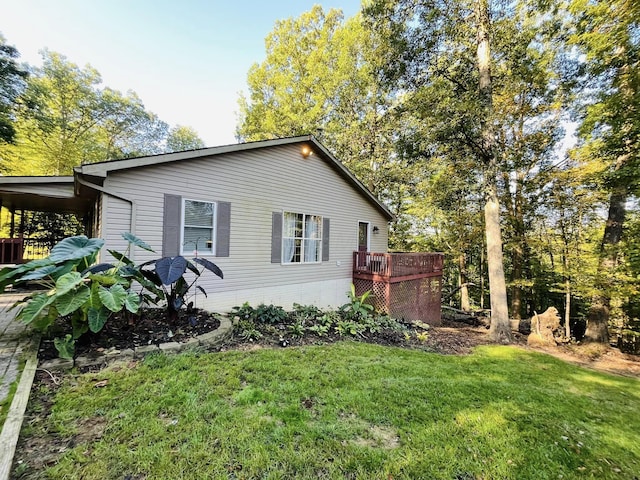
x=301, y=238
x=198, y=226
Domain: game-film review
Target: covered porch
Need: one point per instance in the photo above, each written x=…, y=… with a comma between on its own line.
x=19, y=195
x=403, y=285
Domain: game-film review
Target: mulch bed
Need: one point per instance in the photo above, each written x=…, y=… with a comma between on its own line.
x=150, y=327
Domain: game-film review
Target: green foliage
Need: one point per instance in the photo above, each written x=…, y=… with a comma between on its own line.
x=12, y=83
x=84, y=293
x=357, y=308
x=68, y=117
x=270, y=314
x=182, y=138
x=355, y=319
x=167, y=280
x=322, y=75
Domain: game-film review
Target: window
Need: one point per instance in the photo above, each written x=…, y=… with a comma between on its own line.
x=198, y=225
x=301, y=238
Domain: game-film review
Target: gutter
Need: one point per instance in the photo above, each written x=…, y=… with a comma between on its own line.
x=98, y=188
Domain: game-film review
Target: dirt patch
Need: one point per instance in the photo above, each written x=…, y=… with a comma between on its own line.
x=379, y=437
x=603, y=358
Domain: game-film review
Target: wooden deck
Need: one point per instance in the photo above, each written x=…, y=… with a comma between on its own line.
x=403, y=285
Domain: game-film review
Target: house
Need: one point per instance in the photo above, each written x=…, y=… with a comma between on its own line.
x=284, y=220
x=281, y=218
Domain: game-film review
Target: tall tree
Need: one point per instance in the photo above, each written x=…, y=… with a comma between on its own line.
x=12, y=83
x=322, y=75
x=607, y=34
x=68, y=118
x=182, y=138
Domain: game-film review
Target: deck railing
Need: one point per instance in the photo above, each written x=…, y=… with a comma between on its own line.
x=393, y=265
x=11, y=250
x=20, y=249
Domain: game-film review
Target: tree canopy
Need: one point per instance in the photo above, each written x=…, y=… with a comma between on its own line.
x=439, y=107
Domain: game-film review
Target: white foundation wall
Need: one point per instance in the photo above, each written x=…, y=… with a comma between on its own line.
x=325, y=294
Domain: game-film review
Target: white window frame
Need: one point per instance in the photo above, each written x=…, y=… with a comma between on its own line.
x=202, y=250
x=319, y=239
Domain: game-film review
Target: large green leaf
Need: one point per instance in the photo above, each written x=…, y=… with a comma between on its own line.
x=132, y=302
x=68, y=282
x=66, y=346
x=75, y=248
x=35, y=308
x=106, y=280
x=97, y=318
x=132, y=239
x=113, y=298
x=11, y=275
x=212, y=267
x=39, y=273
x=79, y=325
x=170, y=269
x=121, y=257
x=72, y=300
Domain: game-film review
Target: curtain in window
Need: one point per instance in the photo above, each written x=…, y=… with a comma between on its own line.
x=312, y=238
x=288, y=237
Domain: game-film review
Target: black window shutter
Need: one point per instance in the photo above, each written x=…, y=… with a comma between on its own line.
x=223, y=229
x=171, y=225
x=326, y=230
x=276, y=237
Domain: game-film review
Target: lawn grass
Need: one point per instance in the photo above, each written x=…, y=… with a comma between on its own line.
x=348, y=410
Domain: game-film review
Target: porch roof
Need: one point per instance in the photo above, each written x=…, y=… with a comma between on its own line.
x=42, y=194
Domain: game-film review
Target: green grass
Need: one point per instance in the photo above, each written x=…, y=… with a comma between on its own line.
x=349, y=410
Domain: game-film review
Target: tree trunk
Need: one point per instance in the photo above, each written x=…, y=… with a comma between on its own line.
x=518, y=253
x=598, y=319
x=500, y=329
x=465, y=304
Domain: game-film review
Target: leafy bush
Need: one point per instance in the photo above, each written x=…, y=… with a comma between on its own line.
x=168, y=274
x=271, y=314
x=244, y=312
x=357, y=308
x=84, y=293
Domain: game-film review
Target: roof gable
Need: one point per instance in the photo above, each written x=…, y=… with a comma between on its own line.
x=102, y=169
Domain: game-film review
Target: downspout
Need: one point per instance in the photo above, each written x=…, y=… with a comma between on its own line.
x=98, y=188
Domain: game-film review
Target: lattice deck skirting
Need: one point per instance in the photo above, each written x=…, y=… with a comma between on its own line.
x=414, y=293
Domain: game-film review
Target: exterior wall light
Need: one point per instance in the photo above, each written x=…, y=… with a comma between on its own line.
x=306, y=151
x=376, y=230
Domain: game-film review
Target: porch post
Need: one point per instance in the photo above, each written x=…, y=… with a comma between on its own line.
x=12, y=228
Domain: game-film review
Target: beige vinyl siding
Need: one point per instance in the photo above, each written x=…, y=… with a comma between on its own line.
x=256, y=183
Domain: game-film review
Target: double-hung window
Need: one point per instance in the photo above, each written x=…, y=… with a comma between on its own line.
x=301, y=238
x=198, y=227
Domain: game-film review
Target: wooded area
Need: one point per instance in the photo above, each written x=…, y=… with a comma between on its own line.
x=454, y=113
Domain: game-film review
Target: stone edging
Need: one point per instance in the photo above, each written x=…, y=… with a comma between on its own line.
x=205, y=340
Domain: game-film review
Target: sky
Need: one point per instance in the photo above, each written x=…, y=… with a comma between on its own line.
x=187, y=60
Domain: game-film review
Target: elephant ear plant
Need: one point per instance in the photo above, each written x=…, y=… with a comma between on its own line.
x=168, y=273
x=84, y=293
